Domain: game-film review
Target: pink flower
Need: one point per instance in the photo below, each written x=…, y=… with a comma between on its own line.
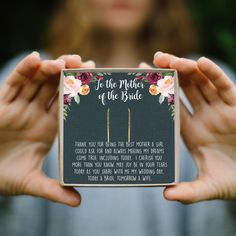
x=72, y=86
x=166, y=85
x=153, y=78
x=85, y=78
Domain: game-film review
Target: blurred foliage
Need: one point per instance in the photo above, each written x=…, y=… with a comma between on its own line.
x=23, y=24
x=216, y=23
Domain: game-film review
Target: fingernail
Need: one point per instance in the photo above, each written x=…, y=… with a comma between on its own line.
x=76, y=56
x=90, y=63
x=35, y=53
x=141, y=64
x=144, y=65
x=62, y=62
x=203, y=58
x=75, y=200
x=171, y=190
x=157, y=53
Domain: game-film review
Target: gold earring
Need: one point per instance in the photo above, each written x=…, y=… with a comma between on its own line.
x=108, y=125
x=129, y=124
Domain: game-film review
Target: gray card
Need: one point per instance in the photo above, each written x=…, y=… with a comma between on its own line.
x=118, y=127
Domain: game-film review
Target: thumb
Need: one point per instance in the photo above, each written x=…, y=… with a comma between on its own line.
x=50, y=189
x=189, y=192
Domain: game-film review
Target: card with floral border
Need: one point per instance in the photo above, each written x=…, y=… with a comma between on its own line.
x=118, y=127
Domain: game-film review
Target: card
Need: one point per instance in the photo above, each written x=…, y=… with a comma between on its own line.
x=118, y=127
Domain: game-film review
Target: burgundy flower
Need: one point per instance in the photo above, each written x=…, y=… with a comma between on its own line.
x=171, y=100
x=153, y=77
x=85, y=78
x=67, y=99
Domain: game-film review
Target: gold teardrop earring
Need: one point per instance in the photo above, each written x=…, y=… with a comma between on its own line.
x=129, y=124
x=108, y=125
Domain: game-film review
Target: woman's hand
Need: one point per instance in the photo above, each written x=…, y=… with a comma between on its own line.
x=209, y=131
x=28, y=126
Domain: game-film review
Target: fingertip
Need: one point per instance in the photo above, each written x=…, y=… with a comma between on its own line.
x=51, y=67
x=33, y=60
x=156, y=57
x=203, y=63
x=144, y=65
x=89, y=64
x=71, y=61
x=157, y=54
x=73, y=199
x=169, y=193
x=181, y=192
x=61, y=62
x=36, y=54
x=202, y=59
x=77, y=57
x=74, y=61
x=155, y=61
x=162, y=60
x=67, y=197
x=53, y=191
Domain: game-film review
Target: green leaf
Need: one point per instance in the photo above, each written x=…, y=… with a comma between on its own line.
x=100, y=74
x=77, y=99
x=70, y=73
x=65, y=115
x=138, y=74
x=172, y=111
x=167, y=74
x=161, y=99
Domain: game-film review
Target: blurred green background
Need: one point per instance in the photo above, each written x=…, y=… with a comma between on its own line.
x=23, y=24
x=216, y=25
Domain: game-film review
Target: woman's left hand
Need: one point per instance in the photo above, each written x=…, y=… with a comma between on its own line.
x=209, y=131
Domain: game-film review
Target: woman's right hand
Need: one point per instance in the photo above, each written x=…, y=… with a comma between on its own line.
x=28, y=126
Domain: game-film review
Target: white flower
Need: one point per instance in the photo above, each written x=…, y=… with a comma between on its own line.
x=166, y=85
x=72, y=86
